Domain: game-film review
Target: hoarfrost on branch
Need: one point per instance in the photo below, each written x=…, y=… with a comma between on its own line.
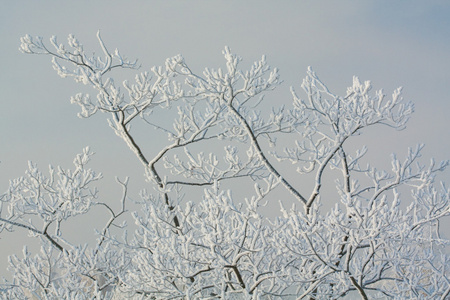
x=223, y=246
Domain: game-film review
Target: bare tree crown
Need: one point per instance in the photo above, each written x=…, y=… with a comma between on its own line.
x=220, y=246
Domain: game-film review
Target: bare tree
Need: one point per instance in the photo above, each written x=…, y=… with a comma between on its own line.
x=221, y=246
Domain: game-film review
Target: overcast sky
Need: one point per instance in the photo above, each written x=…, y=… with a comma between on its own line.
x=391, y=43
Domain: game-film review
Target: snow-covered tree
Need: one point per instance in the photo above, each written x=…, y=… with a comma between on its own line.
x=363, y=239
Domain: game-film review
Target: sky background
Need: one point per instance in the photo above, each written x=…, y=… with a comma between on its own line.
x=391, y=43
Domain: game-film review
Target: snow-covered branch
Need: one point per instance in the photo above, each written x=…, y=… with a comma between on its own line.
x=194, y=234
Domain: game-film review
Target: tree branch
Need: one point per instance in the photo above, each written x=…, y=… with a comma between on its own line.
x=45, y=234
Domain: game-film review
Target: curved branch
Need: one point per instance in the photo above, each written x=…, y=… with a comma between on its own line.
x=266, y=162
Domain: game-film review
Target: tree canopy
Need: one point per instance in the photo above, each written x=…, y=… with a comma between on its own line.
x=363, y=239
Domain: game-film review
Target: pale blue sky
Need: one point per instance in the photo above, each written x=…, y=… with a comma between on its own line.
x=391, y=43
